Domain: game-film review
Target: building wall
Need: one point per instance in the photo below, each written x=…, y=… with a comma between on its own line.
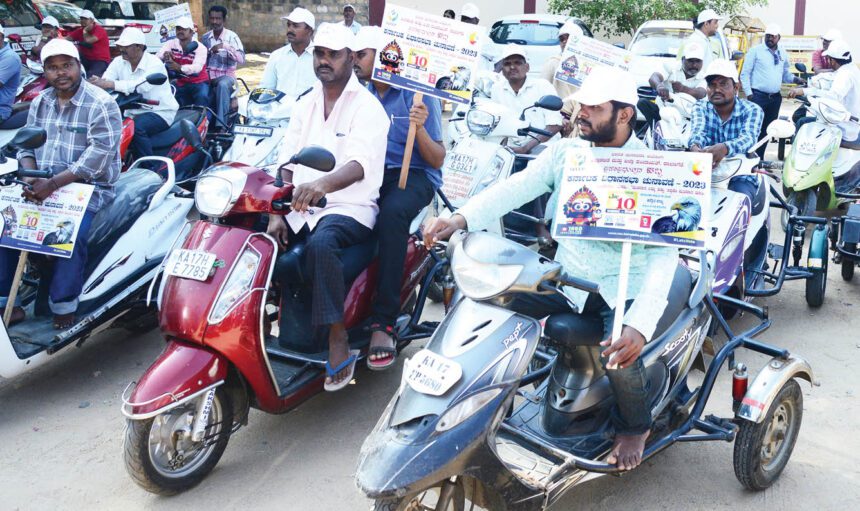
x=821, y=16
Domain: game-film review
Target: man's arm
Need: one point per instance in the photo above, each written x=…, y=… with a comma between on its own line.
x=237, y=52
x=746, y=71
x=428, y=138
x=698, y=126
x=697, y=92
x=655, y=80
x=787, y=76
x=91, y=37
x=102, y=142
x=201, y=54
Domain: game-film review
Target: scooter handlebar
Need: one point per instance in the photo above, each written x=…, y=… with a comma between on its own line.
x=35, y=173
x=278, y=205
x=538, y=131
x=585, y=285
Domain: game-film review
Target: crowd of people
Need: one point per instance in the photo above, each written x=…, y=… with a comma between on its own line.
x=364, y=123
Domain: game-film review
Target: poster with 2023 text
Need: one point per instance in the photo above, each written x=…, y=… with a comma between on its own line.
x=582, y=54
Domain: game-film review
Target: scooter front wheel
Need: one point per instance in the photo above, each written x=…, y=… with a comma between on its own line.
x=444, y=496
x=160, y=454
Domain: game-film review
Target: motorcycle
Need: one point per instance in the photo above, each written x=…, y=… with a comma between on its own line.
x=32, y=83
x=462, y=427
x=118, y=269
x=221, y=357
x=672, y=131
x=258, y=140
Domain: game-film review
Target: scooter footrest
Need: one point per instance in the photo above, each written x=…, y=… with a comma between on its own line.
x=532, y=468
x=775, y=252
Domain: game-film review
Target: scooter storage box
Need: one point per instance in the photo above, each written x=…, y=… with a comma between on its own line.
x=851, y=225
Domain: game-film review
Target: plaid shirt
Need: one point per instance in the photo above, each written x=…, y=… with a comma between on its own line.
x=83, y=138
x=739, y=133
x=232, y=53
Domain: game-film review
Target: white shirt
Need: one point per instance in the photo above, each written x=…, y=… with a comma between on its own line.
x=532, y=90
x=846, y=89
x=125, y=80
x=355, y=27
x=288, y=72
x=710, y=45
x=678, y=75
x=356, y=130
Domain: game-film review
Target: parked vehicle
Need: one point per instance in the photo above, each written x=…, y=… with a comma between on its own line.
x=118, y=270
x=672, y=132
x=258, y=139
x=463, y=428
x=221, y=357
x=130, y=13
x=845, y=239
x=538, y=32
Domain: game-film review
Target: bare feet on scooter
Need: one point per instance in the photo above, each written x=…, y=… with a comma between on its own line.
x=338, y=352
x=627, y=451
x=63, y=321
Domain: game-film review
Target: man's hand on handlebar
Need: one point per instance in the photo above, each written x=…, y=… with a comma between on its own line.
x=663, y=92
x=172, y=65
x=442, y=229
x=307, y=195
x=40, y=189
x=795, y=92
x=626, y=348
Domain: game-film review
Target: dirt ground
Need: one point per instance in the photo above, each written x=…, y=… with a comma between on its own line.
x=62, y=431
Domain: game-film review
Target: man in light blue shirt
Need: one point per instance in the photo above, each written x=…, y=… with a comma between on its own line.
x=765, y=70
x=10, y=77
x=607, y=99
x=290, y=69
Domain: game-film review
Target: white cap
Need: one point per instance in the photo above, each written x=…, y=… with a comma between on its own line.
x=470, y=10
x=693, y=50
x=130, y=36
x=838, y=49
x=570, y=28
x=368, y=36
x=86, y=13
x=708, y=15
x=59, y=46
x=301, y=15
x=513, y=49
x=832, y=35
x=333, y=36
x=348, y=6
x=722, y=67
x=50, y=20
x=773, y=29
x=606, y=84
x=184, y=23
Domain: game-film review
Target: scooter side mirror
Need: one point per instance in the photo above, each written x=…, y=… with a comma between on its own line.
x=800, y=66
x=191, y=47
x=315, y=157
x=190, y=133
x=780, y=128
x=29, y=138
x=550, y=102
x=156, y=78
x=737, y=55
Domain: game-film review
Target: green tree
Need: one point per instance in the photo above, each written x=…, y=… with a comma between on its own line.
x=620, y=17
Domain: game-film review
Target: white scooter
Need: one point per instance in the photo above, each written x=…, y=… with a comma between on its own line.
x=127, y=241
x=258, y=140
x=672, y=131
x=482, y=86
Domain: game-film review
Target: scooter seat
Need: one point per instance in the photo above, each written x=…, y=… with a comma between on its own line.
x=166, y=139
x=571, y=329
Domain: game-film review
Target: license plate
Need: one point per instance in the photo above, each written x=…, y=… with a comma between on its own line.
x=429, y=373
x=252, y=131
x=190, y=264
x=461, y=163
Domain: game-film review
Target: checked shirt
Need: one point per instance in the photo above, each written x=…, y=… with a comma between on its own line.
x=739, y=133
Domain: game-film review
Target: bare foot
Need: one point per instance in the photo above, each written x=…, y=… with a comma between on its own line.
x=63, y=321
x=338, y=351
x=627, y=451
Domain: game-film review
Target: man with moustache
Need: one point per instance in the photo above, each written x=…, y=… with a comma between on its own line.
x=83, y=125
x=607, y=113
x=226, y=52
x=290, y=69
x=687, y=78
x=342, y=116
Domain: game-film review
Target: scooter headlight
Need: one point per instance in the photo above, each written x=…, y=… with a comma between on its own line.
x=481, y=123
x=237, y=286
x=492, y=174
x=726, y=169
x=481, y=281
x=218, y=189
x=466, y=408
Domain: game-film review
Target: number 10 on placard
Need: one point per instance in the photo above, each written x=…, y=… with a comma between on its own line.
x=622, y=201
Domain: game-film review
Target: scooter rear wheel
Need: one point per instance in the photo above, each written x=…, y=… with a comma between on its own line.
x=161, y=458
x=763, y=449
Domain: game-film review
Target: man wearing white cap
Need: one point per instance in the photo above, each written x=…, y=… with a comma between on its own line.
x=187, y=65
x=344, y=117
x=563, y=89
x=687, y=78
x=349, y=19
x=845, y=87
x=725, y=125
x=397, y=208
x=84, y=127
x=766, y=68
x=470, y=14
x=290, y=69
x=126, y=74
x=520, y=92
x=93, y=44
x=819, y=61
x=50, y=28
x=706, y=34
x=607, y=99
x=10, y=77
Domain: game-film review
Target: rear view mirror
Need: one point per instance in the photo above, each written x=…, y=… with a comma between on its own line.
x=550, y=102
x=156, y=78
x=737, y=55
x=315, y=157
x=780, y=128
x=192, y=46
x=29, y=138
x=800, y=66
x=190, y=133
x=14, y=38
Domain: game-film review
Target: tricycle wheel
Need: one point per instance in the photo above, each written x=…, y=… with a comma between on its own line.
x=159, y=454
x=816, y=285
x=847, y=264
x=763, y=449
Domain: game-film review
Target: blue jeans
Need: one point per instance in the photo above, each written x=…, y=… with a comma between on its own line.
x=145, y=125
x=221, y=90
x=66, y=280
x=631, y=414
x=193, y=94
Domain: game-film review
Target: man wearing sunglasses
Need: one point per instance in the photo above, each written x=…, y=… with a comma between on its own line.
x=766, y=68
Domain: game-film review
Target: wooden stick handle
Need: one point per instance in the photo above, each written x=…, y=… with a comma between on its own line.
x=13, y=291
x=410, y=143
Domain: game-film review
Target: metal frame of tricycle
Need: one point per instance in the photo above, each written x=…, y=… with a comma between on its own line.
x=712, y=427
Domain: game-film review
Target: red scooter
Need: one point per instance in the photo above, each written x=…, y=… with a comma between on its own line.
x=215, y=300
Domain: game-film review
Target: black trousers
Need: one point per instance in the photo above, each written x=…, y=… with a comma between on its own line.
x=770, y=103
x=650, y=111
x=397, y=208
x=324, y=265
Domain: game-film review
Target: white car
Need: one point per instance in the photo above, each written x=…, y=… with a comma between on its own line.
x=130, y=13
x=538, y=32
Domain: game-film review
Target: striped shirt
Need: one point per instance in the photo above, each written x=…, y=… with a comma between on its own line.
x=224, y=61
x=83, y=138
x=739, y=133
